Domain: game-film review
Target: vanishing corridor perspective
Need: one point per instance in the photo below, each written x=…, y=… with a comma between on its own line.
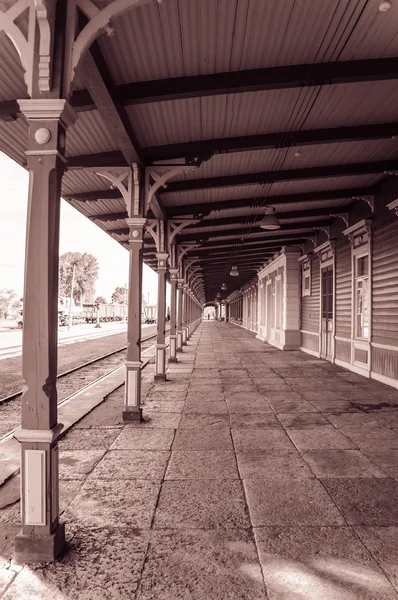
x=247, y=151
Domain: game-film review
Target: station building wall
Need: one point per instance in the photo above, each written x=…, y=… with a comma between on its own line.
x=362, y=334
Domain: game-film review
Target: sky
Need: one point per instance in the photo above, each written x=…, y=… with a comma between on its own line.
x=77, y=234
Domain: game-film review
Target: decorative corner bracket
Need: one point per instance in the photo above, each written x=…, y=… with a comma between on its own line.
x=126, y=180
x=344, y=216
x=174, y=226
x=325, y=229
x=157, y=230
x=156, y=177
x=370, y=201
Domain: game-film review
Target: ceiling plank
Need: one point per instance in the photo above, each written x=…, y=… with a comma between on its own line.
x=271, y=140
x=367, y=168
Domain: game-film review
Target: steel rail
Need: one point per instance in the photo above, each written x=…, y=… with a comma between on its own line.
x=74, y=369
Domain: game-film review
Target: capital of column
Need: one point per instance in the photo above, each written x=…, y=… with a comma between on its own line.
x=173, y=275
x=136, y=225
x=48, y=109
x=180, y=284
x=162, y=260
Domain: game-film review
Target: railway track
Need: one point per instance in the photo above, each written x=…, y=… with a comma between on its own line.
x=88, y=363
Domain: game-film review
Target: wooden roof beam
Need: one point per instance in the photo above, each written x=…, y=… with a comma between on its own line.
x=299, y=227
x=285, y=139
x=249, y=243
x=208, y=207
x=367, y=168
x=271, y=78
x=308, y=214
x=93, y=196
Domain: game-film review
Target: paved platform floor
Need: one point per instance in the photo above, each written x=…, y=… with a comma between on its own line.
x=257, y=474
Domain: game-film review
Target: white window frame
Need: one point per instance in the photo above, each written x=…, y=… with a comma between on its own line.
x=306, y=273
x=358, y=253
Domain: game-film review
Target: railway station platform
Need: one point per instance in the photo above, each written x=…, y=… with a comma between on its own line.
x=255, y=474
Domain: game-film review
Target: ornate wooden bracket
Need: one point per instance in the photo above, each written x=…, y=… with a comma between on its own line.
x=370, y=201
x=158, y=232
x=156, y=177
x=344, y=216
x=127, y=181
x=41, y=12
x=393, y=206
x=183, y=249
x=99, y=21
x=325, y=229
x=174, y=227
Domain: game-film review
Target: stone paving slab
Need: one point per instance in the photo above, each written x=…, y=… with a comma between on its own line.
x=289, y=494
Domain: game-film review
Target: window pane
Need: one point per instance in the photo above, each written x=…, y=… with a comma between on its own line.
x=362, y=266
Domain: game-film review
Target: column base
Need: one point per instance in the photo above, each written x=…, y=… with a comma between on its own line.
x=172, y=359
x=159, y=377
x=179, y=350
x=31, y=548
x=132, y=415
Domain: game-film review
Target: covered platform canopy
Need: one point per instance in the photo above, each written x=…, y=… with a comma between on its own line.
x=290, y=104
x=173, y=124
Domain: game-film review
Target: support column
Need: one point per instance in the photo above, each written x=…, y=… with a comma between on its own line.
x=132, y=409
x=180, y=289
x=42, y=537
x=185, y=314
x=173, y=316
x=160, y=368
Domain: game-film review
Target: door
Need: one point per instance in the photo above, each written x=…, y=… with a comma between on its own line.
x=327, y=312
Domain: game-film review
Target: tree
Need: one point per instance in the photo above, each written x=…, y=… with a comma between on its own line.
x=119, y=296
x=100, y=300
x=86, y=274
x=7, y=299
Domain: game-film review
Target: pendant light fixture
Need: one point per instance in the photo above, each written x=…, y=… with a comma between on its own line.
x=234, y=272
x=223, y=287
x=270, y=220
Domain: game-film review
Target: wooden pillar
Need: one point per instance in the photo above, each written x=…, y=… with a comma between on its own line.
x=180, y=290
x=185, y=314
x=160, y=368
x=173, y=316
x=132, y=409
x=42, y=536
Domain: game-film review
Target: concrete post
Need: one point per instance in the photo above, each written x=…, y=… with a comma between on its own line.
x=132, y=400
x=160, y=368
x=42, y=536
x=173, y=316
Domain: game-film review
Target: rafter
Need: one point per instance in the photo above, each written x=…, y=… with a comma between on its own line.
x=366, y=168
x=272, y=140
x=94, y=71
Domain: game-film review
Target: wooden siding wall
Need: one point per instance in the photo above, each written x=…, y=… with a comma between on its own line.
x=310, y=307
x=385, y=285
x=343, y=290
